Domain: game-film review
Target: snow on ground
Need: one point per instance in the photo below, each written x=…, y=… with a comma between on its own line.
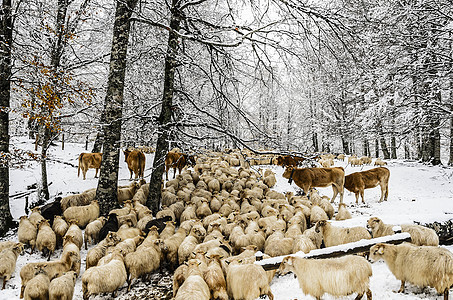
x=416, y=193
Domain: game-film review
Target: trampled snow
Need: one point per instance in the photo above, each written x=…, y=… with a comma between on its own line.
x=417, y=192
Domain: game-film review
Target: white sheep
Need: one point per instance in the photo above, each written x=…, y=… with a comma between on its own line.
x=215, y=278
x=38, y=287
x=35, y=216
x=420, y=235
x=420, y=265
x=247, y=281
x=144, y=261
x=336, y=276
x=92, y=231
x=62, y=288
x=27, y=232
x=70, y=246
x=75, y=232
x=317, y=214
x=60, y=227
x=83, y=214
x=98, y=251
x=46, y=240
x=107, y=278
x=334, y=236
x=343, y=213
x=194, y=286
x=8, y=258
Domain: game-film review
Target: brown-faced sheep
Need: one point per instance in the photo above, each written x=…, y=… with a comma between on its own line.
x=335, y=276
x=420, y=265
x=420, y=235
x=27, y=232
x=62, y=288
x=83, y=214
x=46, y=240
x=107, y=278
x=8, y=258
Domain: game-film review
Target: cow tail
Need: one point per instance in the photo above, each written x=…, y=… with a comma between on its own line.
x=80, y=161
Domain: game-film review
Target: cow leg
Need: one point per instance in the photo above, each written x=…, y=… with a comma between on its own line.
x=362, y=192
x=382, y=192
x=335, y=192
x=166, y=173
x=130, y=171
x=84, y=174
x=356, y=197
x=96, y=175
x=174, y=172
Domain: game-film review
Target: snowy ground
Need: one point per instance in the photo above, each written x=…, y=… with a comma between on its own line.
x=416, y=193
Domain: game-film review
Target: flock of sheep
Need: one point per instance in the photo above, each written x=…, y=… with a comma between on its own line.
x=214, y=222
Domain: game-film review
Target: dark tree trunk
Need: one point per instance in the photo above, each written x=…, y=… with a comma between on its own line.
x=450, y=161
x=6, y=39
x=315, y=142
x=107, y=193
x=384, y=148
x=366, y=148
x=393, y=146
x=376, y=148
x=154, y=196
x=99, y=141
x=345, y=145
x=407, y=154
x=43, y=193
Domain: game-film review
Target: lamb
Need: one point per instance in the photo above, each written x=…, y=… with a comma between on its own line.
x=98, y=251
x=76, y=233
x=92, y=231
x=37, y=287
x=419, y=265
x=8, y=258
x=194, y=287
x=51, y=268
x=215, y=279
x=46, y=240
x=106, y=278
x=144, y=261
x=334, y=236
x=343, y=213
x=62, y=288
x=83, y=214
x=27, y=232
x=247, y=281
x=420, y=235
x=110, y=226
x=338, y=277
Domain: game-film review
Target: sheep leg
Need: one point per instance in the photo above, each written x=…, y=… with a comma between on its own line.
x=50, y=254
x=401, y=290
x=369, y=295
x=4, y=282
x=270, y=295
x=359, y=296
x=446, y=294
x=129, y=283
x=22, y=289
x=114, y=293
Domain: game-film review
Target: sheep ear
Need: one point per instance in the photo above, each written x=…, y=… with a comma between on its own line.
x=381, y=249
x=289, y=261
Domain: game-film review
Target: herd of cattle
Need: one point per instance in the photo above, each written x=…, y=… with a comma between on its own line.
x=215, y=219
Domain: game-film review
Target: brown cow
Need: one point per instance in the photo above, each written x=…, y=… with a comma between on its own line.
x=306, y=178
x=359, y=181
x=177, y=160
x=289, y=161
x=89, y=161
x=135, y=162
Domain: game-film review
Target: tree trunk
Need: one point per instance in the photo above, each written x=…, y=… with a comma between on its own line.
x=376, y=148
x=393, y=146
x=97, y=147
x=43, y=193
x=384, y=148
x=345, y=145
x=6, y=39
x=315, y=142
x=154, y=196
x=450, y=161
x=366, y=148
x=107, y=193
